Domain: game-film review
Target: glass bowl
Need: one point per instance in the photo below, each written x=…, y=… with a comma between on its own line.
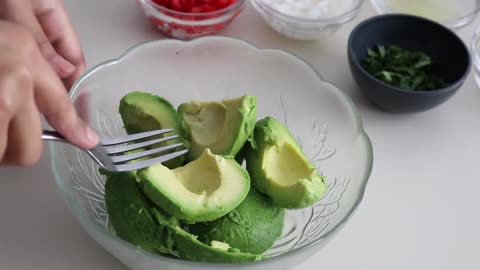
x=324, y=120
x=186, y=26
x=475, y=48
x=451, y=13
x=301, y=28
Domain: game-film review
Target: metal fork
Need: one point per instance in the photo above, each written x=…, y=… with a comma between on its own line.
x=112, y=154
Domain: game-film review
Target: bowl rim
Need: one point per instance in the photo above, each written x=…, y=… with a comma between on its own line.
x=160, y=8
x=361, y=134
x=475, y=46
x=342, y=18
x=450, y=87
x=451, y=23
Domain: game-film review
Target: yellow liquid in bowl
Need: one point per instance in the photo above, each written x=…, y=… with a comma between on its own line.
x=438, y=10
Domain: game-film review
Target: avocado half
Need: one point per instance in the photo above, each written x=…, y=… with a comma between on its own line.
x=279, y=168
x=142, y=112
x=203, y=190
x=223, y=127
x=252, y=227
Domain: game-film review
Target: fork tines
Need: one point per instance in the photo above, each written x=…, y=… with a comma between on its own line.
x=118, y=149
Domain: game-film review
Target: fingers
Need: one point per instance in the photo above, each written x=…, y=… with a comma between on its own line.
x=50, y=95
x=53, y=101
x=63, y=68
x=57, y=27
x=51, y=98
x=19, y=118
x=4, y=123
x=29, y=85
x=82, y=104
x=24, y=135
x=22, y=12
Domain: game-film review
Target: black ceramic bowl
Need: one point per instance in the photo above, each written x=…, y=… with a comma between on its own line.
x=414, y=33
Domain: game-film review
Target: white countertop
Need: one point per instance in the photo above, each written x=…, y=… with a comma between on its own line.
x=421, y=206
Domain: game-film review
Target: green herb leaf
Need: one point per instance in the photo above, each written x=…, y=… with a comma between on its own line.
x=382, y=51
x=372, y=53
x=402, y=68
x=387, y=76
x=426, y=61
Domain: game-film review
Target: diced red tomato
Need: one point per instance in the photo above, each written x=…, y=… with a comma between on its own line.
x=177, y=5
x=159, y=2
x=219, y=4
x=165, y=3
x=195, y=6
x=203, y=8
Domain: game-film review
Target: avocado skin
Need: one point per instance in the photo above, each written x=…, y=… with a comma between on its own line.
x=191, y=249
x=252, y=227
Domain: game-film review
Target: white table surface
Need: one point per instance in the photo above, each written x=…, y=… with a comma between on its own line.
x=421, y=206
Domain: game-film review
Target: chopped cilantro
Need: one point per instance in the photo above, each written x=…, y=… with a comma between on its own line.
x=402, y=68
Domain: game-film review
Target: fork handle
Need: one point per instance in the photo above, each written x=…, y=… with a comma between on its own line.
x=50, y=135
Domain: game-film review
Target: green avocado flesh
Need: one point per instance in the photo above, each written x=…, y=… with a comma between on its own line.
x=279, y=168
x=190, y=248
x=142, y=112
x=205, y=207
x=223, y=127
x=252, y=227
x=203, y=190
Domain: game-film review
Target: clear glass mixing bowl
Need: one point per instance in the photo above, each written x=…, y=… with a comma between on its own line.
x=325, y=121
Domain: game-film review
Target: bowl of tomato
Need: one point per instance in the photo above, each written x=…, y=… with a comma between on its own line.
x=188, y=19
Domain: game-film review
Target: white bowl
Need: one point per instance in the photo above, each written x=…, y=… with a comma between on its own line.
x=299, y=28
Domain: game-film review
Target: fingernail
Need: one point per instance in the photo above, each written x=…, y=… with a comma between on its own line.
x=92, y=137
x=62, y=66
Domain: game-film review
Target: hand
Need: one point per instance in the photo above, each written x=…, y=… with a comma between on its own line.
x=51, y=27
x=29, y=86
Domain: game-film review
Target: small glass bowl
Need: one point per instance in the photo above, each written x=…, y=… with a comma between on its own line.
x=453, y=14
x=475, y=47
x=185, y=26
x=304, y=28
